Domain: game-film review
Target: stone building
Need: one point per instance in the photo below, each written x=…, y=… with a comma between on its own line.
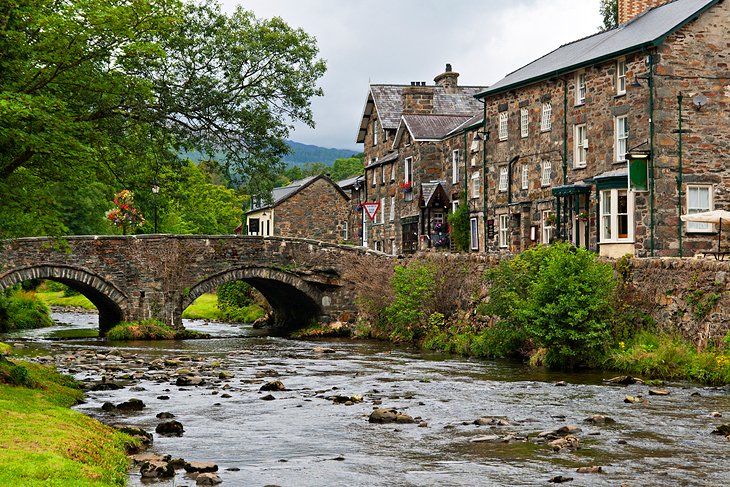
x=606, y=141
x=314, y=207
x=411, y=136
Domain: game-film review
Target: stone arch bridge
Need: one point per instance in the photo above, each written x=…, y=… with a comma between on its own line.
x=132, y=278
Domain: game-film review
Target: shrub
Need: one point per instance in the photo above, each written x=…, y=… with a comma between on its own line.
x=21, y=313
x=414, y=288
x=560, y=297
x=236, y=303
x=141, y=330
x=13, y=374
x=459, y=223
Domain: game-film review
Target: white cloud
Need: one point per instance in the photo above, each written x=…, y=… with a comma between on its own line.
x=398, y=41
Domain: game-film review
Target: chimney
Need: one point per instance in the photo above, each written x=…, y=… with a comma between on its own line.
x=628, y=9
x=417, y=99
x=448, y=80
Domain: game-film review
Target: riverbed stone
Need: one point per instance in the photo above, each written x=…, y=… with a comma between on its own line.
x=172, y=428
x=268, y=397
x=492, y=421
x=723, y=429
x=108, y=406
x=156, y=469
x=559, y=479
x=591, y=469
x=139, y=458
x=600, y=419
x=569, y=442
x=164, y=415
x=658, y=392
x=133, y=404
x=200, y=467
x=633, y=399
x=624, y=380
x=186, y=380
x=389, y=415
x=208, y=479
x=274, y=385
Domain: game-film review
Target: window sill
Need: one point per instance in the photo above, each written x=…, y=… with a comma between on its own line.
x=609, y=242
x=619, y=95
x=544, y=131
x=579, y=104
x=578, y=168
x=700, y=233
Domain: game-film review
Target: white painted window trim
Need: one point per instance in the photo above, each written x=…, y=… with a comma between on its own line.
x=503, y=176
x=504, y=231
x=547, y=173
x=455, y=166
x=476, y=185
x=392, y=172
x=546, y=121
x=407, y=169
x=612, y=213
x=503, y=125
x=699, y=227
x=375, y=133
x=524, y=122
x=547, y=230
x=525, y=177
x=581, y=88
x=474, y=233
x=621, y=77
x=620, y=137
x=392, y=208
x=382, y=210
x=580, y=144
x=345, y=235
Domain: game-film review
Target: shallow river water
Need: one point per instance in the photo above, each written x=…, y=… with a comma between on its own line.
x=303, y=438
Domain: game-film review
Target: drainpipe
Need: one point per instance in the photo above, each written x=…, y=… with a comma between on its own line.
x=679, y=175
x=565, y=131
x=651, y=152
x=484, y=174
x=466, y=190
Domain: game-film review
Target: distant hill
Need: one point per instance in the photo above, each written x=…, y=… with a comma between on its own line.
x=304, y=153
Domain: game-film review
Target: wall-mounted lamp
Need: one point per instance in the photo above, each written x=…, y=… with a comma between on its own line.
x=636, y=83
x=699, y=101
x=481, y=136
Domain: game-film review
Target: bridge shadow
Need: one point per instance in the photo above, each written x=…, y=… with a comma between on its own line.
x=294, y=302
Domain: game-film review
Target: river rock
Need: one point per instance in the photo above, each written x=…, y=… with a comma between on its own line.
x=559, y=479
x=225, y=375
x=723, y=429
x=323, y=350
x=268, y=397
x=715, y=414
x=624, y=380
x=658, y=392
x=208, y=479
x=568, y=429
x=144, y=437
x=274, y=385
x=156, y=469
x=570, y=442
x=591, y=469
x=165, y=415
x=389, y=415
x=148, y=457
x=131, y=405
x=200, y=467
x=105, y=386
x=108, y=406
x=185, y=380
x=491, y=421
x=633, y=399
x=599, y=419
x=170, y=428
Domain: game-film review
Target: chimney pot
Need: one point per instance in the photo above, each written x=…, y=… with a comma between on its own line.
x=448, y=68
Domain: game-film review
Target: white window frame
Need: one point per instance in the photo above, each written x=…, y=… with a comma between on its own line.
x=392, y=172
x=474, y=233
x=382, y=174
x=382, y=210
x=608, y=214
x=393, y=249
x=392, y=209
x=345, y=233
x=547, y=173
x=476, y=185
x=547, y=230
x=503, y=179
x=700, y=227
x=580, y=88
x=454, y=206
x=407, y=170
x=503, y=125
x=455, y=166
x=621, y=77
x=546, y=121
x=504, y=231
x=525, y=177
x=524, y=122
x=580, y=143
x=375, y=133
x=621, y=137
x=375, y=172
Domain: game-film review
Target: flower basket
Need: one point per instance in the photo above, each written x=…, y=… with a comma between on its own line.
x=406, y=187
x=358, y=208
x=582, y=216
x=550, y=220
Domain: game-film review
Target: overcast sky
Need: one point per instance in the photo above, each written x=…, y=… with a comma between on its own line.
x=399, y=41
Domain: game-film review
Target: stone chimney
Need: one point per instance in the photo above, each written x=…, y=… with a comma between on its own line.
x=417, y=99
x=448, y=80
x=628, y=9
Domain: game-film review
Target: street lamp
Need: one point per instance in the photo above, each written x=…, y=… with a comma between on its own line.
x=155, y=191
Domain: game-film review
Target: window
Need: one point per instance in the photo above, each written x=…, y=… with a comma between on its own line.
x=503, y=178
x=376, y=126
x=392, y=209
x=524, y=122
x=581, y=145
x=382, y=210
x=253, y=226
x=454, y=206
x=525, y=177
x=476, y=185
x=503, y=119
x=455, y=166
x=580, y=88
x=547, y=226
x=393, y=249
x=699, y=199
x=375, y=173
x=344, y=231
x=547, y=173
x=392, y=172
x=546, y=123
x=504, y=231
x=617, y=215
x=407, y=170
x=621, y=77
x=382, y=174
x=474, y=227
x=622, y=137
x=438, y=220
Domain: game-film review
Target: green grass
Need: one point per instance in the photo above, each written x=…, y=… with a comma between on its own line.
x=56, y=298
x=141, y=330
x=44, y=443
x=206, y=308
x=5, y=349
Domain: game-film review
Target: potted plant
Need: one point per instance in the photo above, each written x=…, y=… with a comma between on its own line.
x=406, y=187
x=583, y=216
x=550, y=220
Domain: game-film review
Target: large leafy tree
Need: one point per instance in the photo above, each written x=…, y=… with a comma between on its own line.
x=112, y=90
x=609, y=12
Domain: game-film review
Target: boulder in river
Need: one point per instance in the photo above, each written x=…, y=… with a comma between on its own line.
x=156, y=469
x=559, y=479
x=173, y=428
x=131, y=405
x=201, y=467
x=723, y=429
x=187, y=380
x=208, y=479
x=492, y=421
x=570, y=442
x=165, y=415
x=599, y=419
x=389, y=415
x=108, y=406
x=274, y=385
x=591, y=469
x=138, y=433
x=633, y=399
x=624, y=380
x=658, y=392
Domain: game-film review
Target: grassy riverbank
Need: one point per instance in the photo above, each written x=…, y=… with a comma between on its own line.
x=58, y=299
x=44, y=443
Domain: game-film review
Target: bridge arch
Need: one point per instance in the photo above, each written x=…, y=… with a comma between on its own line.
x=294, y=302
x=107, y=298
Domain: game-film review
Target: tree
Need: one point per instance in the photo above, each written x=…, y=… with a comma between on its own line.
x=347, y=168
x=609, y=12
x=88, y=83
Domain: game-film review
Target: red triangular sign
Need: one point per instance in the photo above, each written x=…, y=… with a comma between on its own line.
x=371, y=209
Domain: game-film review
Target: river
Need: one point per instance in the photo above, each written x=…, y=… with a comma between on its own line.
x=304, y=438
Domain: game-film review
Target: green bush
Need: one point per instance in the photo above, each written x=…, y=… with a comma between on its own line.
x=414, y=288
x=141, y=330
x=13, y=374
x=21, y=313
x=236, y=303
x=561, y=298
x=459, y=223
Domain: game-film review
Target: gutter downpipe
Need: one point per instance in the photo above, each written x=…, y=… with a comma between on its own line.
x=466, y=188
x=562, y=228
x=679, y=175
x=484, y=174
x=651, y=152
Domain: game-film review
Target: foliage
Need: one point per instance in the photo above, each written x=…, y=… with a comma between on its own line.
x=47, y=443
x=667, y=357
x=20, y=312
x=459, y=223
x=561, y=297
x=141, y=330
x=609, y=12
x=125, y=215
x=59, y=298
x=414, y=287
x=206, y=308
x=301, y=154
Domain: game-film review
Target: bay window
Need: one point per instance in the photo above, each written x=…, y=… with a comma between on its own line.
x=616, y=215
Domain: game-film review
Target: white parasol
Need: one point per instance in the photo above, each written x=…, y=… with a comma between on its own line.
x=714, y=216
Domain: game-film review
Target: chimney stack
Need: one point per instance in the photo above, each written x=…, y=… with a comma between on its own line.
x=628, y=9
x=448, y=80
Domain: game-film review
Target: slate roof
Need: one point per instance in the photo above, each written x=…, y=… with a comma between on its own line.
x=349, y=183
x=429, y=190
x=278, y=195
x=646, y=30
x=387, y=100
x=393, y=156
x=433, y=127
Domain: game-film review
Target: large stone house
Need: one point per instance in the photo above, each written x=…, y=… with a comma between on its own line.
x=606, y=141
x=314, y=207
x=414, y=152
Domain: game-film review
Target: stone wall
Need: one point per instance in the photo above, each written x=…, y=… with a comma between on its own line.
x=628, y=9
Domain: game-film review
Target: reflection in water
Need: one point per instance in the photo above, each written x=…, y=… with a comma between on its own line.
x=302, y=437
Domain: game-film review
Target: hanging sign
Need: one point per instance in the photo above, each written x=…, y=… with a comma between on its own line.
x=371, y=208
x=638, y=171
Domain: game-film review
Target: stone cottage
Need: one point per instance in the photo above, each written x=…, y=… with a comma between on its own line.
x=314, y=207
x=606, y=141
x=411, y=172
